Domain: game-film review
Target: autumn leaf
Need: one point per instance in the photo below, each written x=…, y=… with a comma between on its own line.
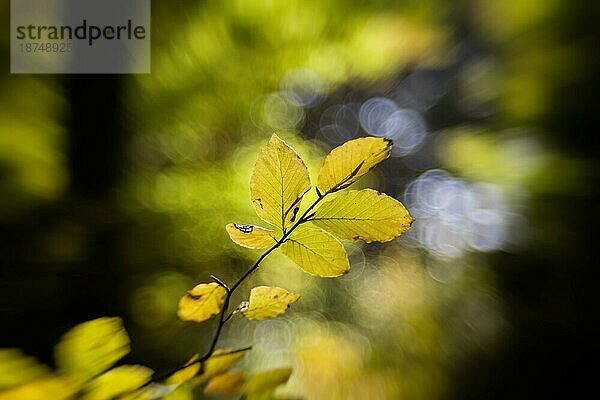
x=279, y=180
x=54, y=387
x=262, y=385
x=226, y=384
x=192, y=367
x=363, y=214
x=202, y=302
x=92, y=347
x=117, y=381
x=316, y=252
x=17, y=368
x=251, y=236
x=268, y=302
x=345, y=164
x=220, y=360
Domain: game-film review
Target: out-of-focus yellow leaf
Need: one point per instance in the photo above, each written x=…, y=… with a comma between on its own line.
x=117, y=381
x=202, y=302
x=51, y=387
x=92, y=347
x=279, y=180
x=218, y=363
x=269, y=302
x=227, y=384
x=183, y=392
x=261, y=386
x=363, y=214
x=17, y=368
x=251, y=236
x=345, y=164
x=157, y=391
x=184, y=375
x=316, y=252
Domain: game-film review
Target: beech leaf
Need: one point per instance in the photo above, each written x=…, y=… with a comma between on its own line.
x=202, y=302
x=92, y=347
x=316, y=252
x=279, y=180
x=268, y=302
x=345, y=164
x=251, y=236
x=363, y=214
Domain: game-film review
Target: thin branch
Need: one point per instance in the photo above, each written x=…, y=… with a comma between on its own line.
x=230, y=291
x=237, y=284
x=220, y=282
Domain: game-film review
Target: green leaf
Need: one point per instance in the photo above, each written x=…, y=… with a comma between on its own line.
x=227, y=384
x=92, y=347
x=251, y=236
x=17, y=368
x=268, y=302
x=363, y=214
x=345, y=164
x=262, y=385
x=279, y=180
x=202, y=302
x=316, y=252
x=117, y=381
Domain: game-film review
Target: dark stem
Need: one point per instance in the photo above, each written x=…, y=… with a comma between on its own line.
x=230, y=291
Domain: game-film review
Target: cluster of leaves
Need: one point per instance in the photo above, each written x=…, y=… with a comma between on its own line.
x=85, y=359
x=86, y=356
x=311, y=239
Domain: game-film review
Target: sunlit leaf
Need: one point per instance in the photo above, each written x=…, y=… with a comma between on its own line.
x=251, y=236
x=363, y=214
x=92, y=347
x=192, y=368
x=117, y=381
x=261, y=386
x=268, y=302
x=227, y=384
x=202, y=302
x=17, y=368
x=279, y=180
x=345, y=164
x=316, y=252
x=53, y=387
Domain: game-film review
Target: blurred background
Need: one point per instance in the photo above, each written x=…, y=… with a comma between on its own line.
x=115, y=190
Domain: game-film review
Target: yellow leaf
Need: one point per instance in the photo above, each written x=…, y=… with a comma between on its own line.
x=51, y=387
x=345, y=164
x=316, y=252
x=92, y=347
x=184, y=375
x=227, y=384
x=262, y=385
x=219, y=362
x=181, y=393
x=251, y=236
x=202, y=302
x=117, y=381
x=363, y=214
x=279, y=180
x=17, y=368
x=268, y=302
